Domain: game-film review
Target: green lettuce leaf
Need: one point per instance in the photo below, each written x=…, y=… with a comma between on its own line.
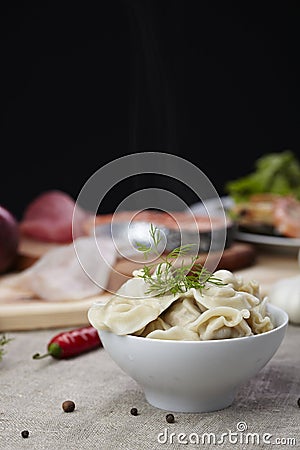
x=277, y=173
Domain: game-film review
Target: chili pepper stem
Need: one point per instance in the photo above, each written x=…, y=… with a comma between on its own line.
x=53, y=350
x=39, y=356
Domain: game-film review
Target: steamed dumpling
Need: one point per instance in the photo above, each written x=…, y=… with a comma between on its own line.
x=182, y=312
x=130, y=309
x=176, y=333
x=214, y=296
x=222, y=322
x=237, y=282
x=230, y=292
x=259, y=321
x=157, y=324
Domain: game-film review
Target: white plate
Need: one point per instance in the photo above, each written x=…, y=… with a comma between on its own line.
x=268, y=240
x=264, y=239
x=212, y=205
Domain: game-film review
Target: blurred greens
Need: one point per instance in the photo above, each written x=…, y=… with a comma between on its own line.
x=3, y=341
x=277, y=173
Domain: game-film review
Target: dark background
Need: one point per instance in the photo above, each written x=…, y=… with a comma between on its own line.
x=84, y=83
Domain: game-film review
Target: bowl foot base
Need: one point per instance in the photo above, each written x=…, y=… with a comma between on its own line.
x=171, y=402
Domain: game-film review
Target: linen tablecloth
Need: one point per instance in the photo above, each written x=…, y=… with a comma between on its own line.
x=265, y=413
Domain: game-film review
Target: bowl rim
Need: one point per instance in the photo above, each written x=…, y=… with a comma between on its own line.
x=283, y=324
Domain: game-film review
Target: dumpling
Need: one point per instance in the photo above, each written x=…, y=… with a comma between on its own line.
x=222, y=322
x=231, y=292
x=126, y=314
x=227, y=277
x=176, y=333
x=182, y=312
x=252, y=287
x=157, y=324
x=216, y=295
x=237, y=282
x=259, y=320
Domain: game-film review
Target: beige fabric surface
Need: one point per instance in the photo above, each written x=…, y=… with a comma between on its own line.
x=32, y=392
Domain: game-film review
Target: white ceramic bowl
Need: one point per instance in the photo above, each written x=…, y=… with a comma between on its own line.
x=194, y=376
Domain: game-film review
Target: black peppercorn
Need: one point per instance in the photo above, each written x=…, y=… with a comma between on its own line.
x=298, y=402
x=68, y=406
x=170, y=418
x=134, y=411
x=25, y=434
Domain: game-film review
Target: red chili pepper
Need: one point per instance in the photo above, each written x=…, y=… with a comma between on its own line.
x=72, y=343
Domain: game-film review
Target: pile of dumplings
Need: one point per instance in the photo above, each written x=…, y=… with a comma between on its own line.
x=230, y=309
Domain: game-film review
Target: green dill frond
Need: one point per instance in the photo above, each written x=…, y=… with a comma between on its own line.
x=164, y=278
x=3, y=341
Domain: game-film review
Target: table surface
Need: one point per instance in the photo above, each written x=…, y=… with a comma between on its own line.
x=32, y=392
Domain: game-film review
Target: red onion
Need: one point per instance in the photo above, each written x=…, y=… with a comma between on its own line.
x=9, y=239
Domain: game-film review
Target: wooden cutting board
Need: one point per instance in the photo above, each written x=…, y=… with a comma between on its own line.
x=33, y=313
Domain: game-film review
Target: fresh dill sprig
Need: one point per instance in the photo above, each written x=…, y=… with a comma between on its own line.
x=156, y=239
x=170, y=279
x=3, y=341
